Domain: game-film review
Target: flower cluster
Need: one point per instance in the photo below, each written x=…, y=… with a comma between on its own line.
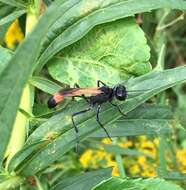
x=144, y=163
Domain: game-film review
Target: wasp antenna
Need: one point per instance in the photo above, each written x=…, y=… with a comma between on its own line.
x=139, y=90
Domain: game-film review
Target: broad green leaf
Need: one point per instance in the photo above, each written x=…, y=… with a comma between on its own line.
x=11, y=17
x=136, y=184
x=19, y=69
x=111, y=52
x=14, y=3
x=80, y=19
x=58, y=130
x=83, y=181
x=5, y=56
x=45, y=85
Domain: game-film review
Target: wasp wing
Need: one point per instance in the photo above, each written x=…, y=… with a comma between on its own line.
x=79, y=91
x=71, y=92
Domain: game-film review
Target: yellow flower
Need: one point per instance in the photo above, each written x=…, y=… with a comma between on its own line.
x=142, y=160
x=100, y=154
x=126, y=144
x=115, y=171
x=181, y=158
x=94, y=159
x=134, y=169
x=98, y=158
x=113, y=164
x=149, y=172
x=142, y=138
x=106, y=141
x=14, y=35
x=156, y=141
x=148, y=147
x=86, y=157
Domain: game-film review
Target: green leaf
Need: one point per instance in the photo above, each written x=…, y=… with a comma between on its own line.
x=152, y=119
x=111, y=52
x=13, y=3
x=136, y=184
x=48, y=2
x=83, y=181
x=136, y=127
x=45, y=85
x=5, y=11
x=181, y=105
x=5, y=56
x=115, y=149
x=76, y=23
x=11, y=183
x=11, y=17
x=61, y=136
x=174, y=175
x=3, y=32
x=29, y=150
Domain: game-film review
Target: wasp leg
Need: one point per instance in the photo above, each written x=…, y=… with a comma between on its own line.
x=100, y=82
x=75, y=126
x=83, y=96
x=76, y=85
x=101, y=125
x=119, y=109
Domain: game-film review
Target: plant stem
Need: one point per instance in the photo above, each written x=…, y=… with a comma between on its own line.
x=33, y=15
x=119, y=162
x=181, y=17
x=20, y=126
x=39, y=185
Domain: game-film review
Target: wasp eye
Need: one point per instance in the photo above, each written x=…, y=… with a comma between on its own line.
x=121, y=92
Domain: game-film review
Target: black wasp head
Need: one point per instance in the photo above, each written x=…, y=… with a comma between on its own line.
x=120, y=92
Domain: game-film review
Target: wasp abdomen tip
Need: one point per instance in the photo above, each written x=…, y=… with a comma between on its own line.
x=51, y=103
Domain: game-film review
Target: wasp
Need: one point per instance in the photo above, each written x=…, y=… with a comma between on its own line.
x=95, y=97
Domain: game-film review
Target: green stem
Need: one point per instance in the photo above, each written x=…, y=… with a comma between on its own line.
x=181, y=17
x=20, y=126
x=32, y=16
x=162, y=17
x=119, y=162
x=39, y=185
x=162, y=169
